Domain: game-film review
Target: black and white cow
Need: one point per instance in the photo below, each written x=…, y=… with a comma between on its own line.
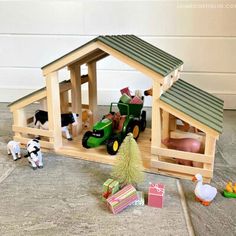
x=34, y=154
x=41, y=121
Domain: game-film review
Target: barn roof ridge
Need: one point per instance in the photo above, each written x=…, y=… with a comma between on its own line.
x=138, y=50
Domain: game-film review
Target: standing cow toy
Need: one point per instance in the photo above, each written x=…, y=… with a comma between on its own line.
x=13, y=148
x=34, y=155
x=41, y=121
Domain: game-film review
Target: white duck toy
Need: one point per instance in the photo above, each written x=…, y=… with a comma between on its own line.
x=204, y=192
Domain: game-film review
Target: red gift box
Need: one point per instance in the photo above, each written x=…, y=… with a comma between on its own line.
x=156, y=195
x=126, y=91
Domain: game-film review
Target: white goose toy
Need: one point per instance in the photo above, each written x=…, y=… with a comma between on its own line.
x=204, y=193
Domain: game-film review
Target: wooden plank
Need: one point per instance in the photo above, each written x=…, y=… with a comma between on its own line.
x=28, y=130
x=69, y=58
x=156, y=116
x=64, y=98
x=43, y=144
x=182, y=169
x=37, y=96
x=76, y=99
x=131, y=62
x=183, y=155
x=85, y=106
x=188, y=119
x=30, y=120
x=84, y=79
x=92, y=74
x=90, y=57
x=165, y=125
x=19, y=119
x=182, y=134
x=54, y=111
x=210, y=146
x=65, y=86
x=98, y=58
x=172, y=122
x=29, y=100
x=181, y=175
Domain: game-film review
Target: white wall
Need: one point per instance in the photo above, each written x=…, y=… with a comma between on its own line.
x=201, y=33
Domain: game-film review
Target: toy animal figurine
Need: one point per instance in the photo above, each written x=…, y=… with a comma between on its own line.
x=86, y=114
x=184, y=144
x=13, y=148
x=41, y=121
x=204, y=193
x=34, y=155
x=230, y=190
x=148, y=92
x=229, y=187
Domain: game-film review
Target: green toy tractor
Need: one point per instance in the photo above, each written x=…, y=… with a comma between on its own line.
x=113, y=127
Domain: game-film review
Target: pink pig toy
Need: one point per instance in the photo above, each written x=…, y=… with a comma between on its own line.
x=184, y=144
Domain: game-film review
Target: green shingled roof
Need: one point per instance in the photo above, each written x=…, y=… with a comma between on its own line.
x=143, y=52
x=139, y=50
x=196, y=103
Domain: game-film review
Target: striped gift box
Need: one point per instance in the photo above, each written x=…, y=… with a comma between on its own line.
x=122, y=199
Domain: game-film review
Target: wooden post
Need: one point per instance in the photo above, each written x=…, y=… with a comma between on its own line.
x=92, y=75
x=64, y=97
x=76, y=102
x=156, y=117
x=19, y=119
x=210, y=146
x=172, y=120
x=54, y=111
x=165, y=125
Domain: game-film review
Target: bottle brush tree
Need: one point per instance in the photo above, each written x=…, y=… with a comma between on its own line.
x=128, y=164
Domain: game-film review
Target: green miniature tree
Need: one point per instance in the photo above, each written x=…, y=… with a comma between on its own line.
x=128, y=164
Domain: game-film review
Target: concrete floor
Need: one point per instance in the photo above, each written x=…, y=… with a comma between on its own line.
x=63, y=198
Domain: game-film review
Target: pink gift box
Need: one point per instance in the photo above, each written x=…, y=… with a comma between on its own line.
x=126, y=91
x=136, y=100
x=156, y=195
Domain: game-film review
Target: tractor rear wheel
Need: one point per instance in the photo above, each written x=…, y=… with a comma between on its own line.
x=143, y=121
x=86, y=136
x=113, y=145
x=134, y=128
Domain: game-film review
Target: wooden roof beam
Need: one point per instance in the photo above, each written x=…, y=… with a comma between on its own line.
x=188, y=119
x=69, y=58
x=89, y=57
x=138, y=66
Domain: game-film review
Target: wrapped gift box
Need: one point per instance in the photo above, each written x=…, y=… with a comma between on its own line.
x=140, y=201
x=110, y=187
x=156, y=195
x=126, y=91
x=136, y=100
x=125, y=98
x=122, y=199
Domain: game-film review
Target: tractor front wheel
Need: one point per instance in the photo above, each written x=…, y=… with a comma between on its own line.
x=86, y=136
x=113, y=145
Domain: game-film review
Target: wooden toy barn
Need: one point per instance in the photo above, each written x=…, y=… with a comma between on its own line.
x=176, y=105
